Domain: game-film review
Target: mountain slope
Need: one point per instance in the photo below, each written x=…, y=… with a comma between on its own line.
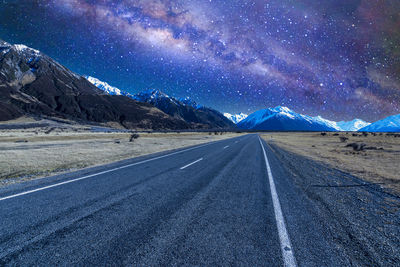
x=331, y=124
x=33, y=83
x=235, y=118
x=104, y=86
x=283, y=119
x=389, y=124
x=354, y=125
x=184, y=109
x=198, y=116
x=190, y=102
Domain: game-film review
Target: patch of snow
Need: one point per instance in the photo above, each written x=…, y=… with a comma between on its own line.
x=283, y=118
x=388, y=124
x=187, y=101
x=235, y=118
x=154, y=95
x=332, y=124
x=354, y=125
x=111, y=90
x=23, y=48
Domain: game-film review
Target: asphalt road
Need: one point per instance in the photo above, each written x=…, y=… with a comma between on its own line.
x=238, y=201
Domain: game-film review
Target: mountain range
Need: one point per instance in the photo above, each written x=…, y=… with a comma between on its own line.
x=32, y=83
x=285, y=119
x=273, y=115
x=186, y=109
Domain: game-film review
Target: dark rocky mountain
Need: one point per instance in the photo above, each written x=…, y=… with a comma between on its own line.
x=198, y=116
x=33, y=83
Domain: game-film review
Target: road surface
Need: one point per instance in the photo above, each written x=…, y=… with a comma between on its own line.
x=238, y=201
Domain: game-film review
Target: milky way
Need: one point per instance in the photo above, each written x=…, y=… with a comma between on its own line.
x=338, y=59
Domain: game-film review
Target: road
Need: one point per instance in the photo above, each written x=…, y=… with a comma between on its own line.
x=238, y=201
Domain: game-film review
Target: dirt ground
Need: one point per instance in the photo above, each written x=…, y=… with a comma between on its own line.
x=378, y=162
x=36, y=152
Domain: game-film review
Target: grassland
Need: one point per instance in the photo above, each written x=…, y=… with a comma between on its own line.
x=378, y=162
x=37, y=152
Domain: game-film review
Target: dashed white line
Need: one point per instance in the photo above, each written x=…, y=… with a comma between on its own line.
x=226, y=147
x=99, y=173
x=190, y=164
x=286, y=247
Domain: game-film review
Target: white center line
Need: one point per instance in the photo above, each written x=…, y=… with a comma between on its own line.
x=100, y=173
x=286, y=247
x=226, y=147
x=184, y=167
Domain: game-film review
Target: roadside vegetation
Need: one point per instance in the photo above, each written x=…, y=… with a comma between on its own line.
x=36, y=152
x=373, y=157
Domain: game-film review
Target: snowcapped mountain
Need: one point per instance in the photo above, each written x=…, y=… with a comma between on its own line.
x=190, y=102
x=155, y=97
x=344, y=126
x=389, y=124
x=351, y=126
x=187, y=110
x=184, y=109
x=235, y=118
x=103, y=86
x=22, y=65
x=32, y=83
x=284, y=119
x=329, y=123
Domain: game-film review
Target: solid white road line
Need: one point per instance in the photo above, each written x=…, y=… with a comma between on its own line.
x=286, y=247
x=190, y=164
x=100, y=173
x=226, y=147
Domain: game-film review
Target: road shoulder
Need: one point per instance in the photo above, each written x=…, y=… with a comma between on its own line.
x=361, y=223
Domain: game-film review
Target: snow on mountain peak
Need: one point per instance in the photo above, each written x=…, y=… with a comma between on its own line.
x=104, y=86
x=283, y=118
x=154, y=94
x=388, y=124
x=4, y=45
x=329, y=123
x=190, y=102
x=235, y=118
x=24, y=48
x=281, y=109
x=353, y=125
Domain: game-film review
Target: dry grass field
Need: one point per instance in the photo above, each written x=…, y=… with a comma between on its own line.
x=378, y=162
x=37, y=152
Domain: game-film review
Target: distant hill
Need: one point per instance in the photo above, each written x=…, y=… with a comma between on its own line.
x=33, y=83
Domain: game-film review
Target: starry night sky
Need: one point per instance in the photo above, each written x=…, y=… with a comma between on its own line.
x=335, y=58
